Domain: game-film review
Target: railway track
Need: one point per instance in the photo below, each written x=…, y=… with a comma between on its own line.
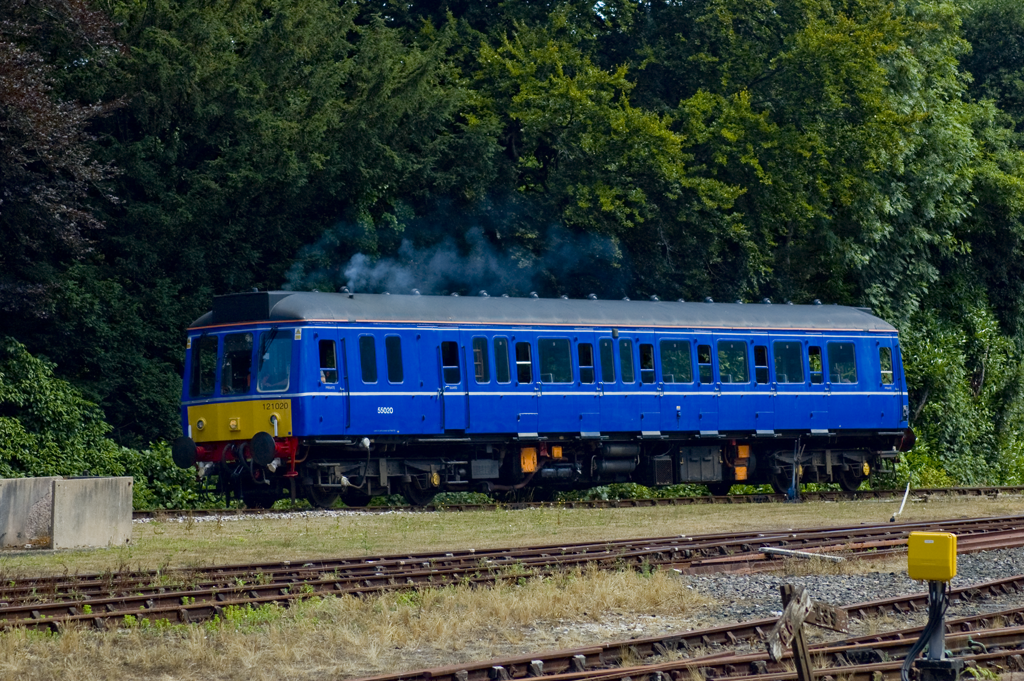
x=192, y=595
x=613, y=503
x=706, y=653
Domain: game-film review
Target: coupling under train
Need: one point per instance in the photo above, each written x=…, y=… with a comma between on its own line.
x=326, y=394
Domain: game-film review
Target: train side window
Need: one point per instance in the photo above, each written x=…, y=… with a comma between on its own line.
x=502, y=374
x=368, y=358
x=842, y=363
x=607, y=360
x=626, y=360
x=236, y=365
x=814, y=360
x=393, y=354
x=646, y=363
x=704, y=366
x=555, y=356
x=761, y=364
x=789, y=362
x=481, y=370
x=204, y=366
x=733, y=364
x=676, y=364
x=586, y=357
x=524, y=363
x=450, y=362
x=328, y=362
x=275, y=361
x=885, y=363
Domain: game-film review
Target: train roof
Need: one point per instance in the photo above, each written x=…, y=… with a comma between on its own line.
x=294, y=306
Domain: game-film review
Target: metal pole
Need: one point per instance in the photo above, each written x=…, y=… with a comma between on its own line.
x=937, y=642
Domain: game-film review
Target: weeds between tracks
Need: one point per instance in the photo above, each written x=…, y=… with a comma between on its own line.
x=348, y=636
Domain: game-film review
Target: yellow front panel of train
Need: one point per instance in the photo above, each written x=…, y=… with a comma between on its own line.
x=239, y=420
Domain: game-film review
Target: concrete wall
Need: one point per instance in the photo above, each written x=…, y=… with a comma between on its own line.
x=92, y=512
x=26, y=512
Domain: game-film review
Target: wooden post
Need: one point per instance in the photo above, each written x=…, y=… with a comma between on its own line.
x=804, y=669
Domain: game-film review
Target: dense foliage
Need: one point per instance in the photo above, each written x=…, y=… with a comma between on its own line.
x=863, y=152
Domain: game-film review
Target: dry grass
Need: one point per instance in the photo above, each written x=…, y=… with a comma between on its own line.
x=853, y=565
x=167, y=544
x=351, y=637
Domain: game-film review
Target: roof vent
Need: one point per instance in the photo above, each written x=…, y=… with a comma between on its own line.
x=655, y=298
x=254, y=290
x=415, y=291
x=766, y=301
x=455, y=294
x=344, y=289
x=504, y=295
x=483, y=294
x=789, y=302
x=708, y=299
x=591, y=296
x=817, y=302
x=626, y=298
x=680, y=300
x=533, y=294
x=738, y=301
x=387, y=293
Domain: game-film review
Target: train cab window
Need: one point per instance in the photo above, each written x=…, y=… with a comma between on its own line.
x=481, y=369
x=368, y=358
x=842, y=363
x=814, y=362
x=676, y=364
x=393, y=354
x=275, y=361
x=607, y=360
x=626, y=360
x=646, y=363
x=733, y=363
x=204, y=366
x=761, y=364
x=450, y=363
x=885, y=363
x=524, y=363
x=585, y=352
x=704, y=366
x=236, y=365
x=555, y=355
x=328, y=362
x=502, y=374
x=789, y=362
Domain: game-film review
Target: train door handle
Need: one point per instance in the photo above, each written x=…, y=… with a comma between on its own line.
x=774, y=389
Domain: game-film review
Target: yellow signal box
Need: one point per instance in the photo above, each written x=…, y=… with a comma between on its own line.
x=931, y=556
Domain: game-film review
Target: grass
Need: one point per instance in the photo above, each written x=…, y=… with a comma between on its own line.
x=347, y=637
x=169, y=544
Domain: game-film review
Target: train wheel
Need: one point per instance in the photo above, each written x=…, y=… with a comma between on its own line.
x=356, y=497
x=719, y=489
x=417, y=496
x=780, y=482
x=849, y=481
x=258, y=498
x=320, y=497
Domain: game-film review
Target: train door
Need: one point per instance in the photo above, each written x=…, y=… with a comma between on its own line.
x=885, y=399
x=680, y=409
x=330, y=412
x=556, y=394
x=588, y=385
x=735, y=383
x=483, y=386
x=901, y=388
x=708, y=387
x=818, y=390
x=792, y=401
x=847, y=378
x=620, y=406
x=526, y=387
x=452, y=394
x=651, y=388
x=763, y=392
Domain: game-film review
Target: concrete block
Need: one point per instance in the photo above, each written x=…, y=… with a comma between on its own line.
x=26, y=512
x=92, y=512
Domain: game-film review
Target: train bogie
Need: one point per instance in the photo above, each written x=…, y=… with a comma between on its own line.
x=357, y=395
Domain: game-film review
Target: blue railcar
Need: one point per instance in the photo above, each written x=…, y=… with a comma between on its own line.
x=320, y=394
